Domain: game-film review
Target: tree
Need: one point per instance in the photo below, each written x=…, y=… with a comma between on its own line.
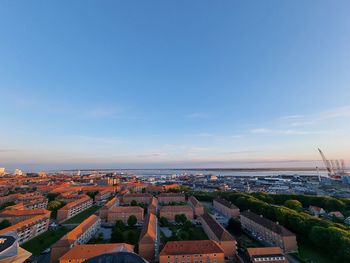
x=133, y=203
x=180, y=218
x=294, y=204
x=117, y=236
x=4, y=223
x=234, y=226
x=187, y=225
x=163, y=221
x=132, y=220
x=51, y=196
x=55, y=205
x=92, y=194
x=132, y=238
x=119, y=225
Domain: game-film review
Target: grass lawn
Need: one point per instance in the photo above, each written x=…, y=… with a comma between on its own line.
x=308, y=253
x=44, y=241
x=82, y=216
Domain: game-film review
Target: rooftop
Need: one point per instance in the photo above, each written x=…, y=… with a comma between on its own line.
x=191, y=247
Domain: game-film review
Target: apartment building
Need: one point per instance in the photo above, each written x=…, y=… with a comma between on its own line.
x=138, y=197
x=266, y=255
x=79, y=235
x=208, y=251
x=15, y=215
x=123, y=213
x=153, y=206
x=73, y=208
x=81, y=253
x=170, y=212
x=215, y=231
x=104, y=210
x=149, y=238
x=226, y=208
x=102, y=196
x=166, y=198
x=270, y=232
x=198, y=208
x=28, y=228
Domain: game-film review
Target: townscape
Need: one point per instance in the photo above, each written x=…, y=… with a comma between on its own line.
x=76, y=217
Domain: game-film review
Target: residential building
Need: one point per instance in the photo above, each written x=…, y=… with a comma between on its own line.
x=226, y=208
x=153, y=206
x=171, y=211
x=10, y=251
x=79, y=235
x=215, y=231
x=266, y=255
x=336, y=214
x=73, y=208
x=208, y=251
x=149, y=238
x=28, y=228
x=269, y=232
x=138, y=197
x=198, y=208
x=123, y=213
x=316, y=211
x=17, y=215
x=102, y=196
x=166, y=198
x=104, y=210
x=81, y=253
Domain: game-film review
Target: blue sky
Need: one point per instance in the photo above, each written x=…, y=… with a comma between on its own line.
x=173, y=83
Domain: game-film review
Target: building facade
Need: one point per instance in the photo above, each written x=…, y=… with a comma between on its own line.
x=149, y=238
x=226, y=208
x=74, y=208
x=123, y=213
x=166, y=198
x=170, y=212
x=198, y=208
x=270, y=232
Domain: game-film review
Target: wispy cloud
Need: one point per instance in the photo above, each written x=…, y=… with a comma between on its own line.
x=198, y=115
x=100, y=140
x=284, y=132
x=107, y=112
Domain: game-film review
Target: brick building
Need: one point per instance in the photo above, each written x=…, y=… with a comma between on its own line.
x=208, y=251
x=166, y=198
x=170, y=212
x=153, y=206
x=138, y=197
x=123, y=213
x=81, y=253
x=79, y=235
x=226, y=208
x=149, y=238
x=73, y=208
x=266, y=255
x=29, y=228
x=215, y=231
x=104, y=210
x=198, y=208
x=270, y=232
x=17, y=215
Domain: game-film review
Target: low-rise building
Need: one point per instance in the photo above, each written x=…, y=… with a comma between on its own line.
x=74, y=208
x=123, y=213
x=153, y=206
x=208, y=251
x=266, y=255
x=28, y=228
x=104, y=210
x=226, y=208
x=81, y=253
x=79, y=235
x=102, y=196
x=138, y=197
x=171, y=211
x=166, y=198
x=17, y=215
x=198, y=208
x=215, y=231
x=149, y=238
x=270, y=232
x=316, y=211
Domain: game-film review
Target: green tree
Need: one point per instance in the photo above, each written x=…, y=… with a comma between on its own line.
x=294, y=204
x=4, y=223
x=163, y=221
x=180, y=218
x=51, y=196
x=117, y=236
x=133, y=203
x=187, y=225
x=132, y=220
x=119, y=225
x=132, y=237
